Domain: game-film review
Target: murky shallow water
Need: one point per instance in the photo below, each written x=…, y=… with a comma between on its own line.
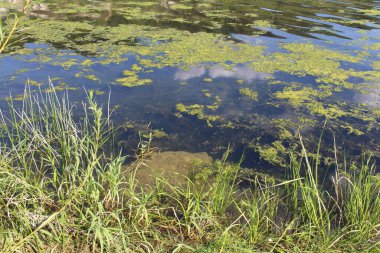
x=205, y=74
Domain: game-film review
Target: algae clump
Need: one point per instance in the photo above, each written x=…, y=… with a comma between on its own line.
x=198, y=111
x=249, y=93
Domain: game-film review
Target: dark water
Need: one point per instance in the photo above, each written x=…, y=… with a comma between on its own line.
x=205, y=75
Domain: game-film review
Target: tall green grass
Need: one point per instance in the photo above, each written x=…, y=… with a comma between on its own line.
x=62, y=191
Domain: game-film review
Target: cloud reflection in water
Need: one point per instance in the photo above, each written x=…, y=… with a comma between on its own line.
x=238, y=72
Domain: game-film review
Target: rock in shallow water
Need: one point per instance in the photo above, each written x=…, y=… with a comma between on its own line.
x=174, y=166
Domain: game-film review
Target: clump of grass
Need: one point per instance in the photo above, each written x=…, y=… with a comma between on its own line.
x=61, y=191
x=51, y=163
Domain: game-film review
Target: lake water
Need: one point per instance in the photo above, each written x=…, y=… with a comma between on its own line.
x=203, y=75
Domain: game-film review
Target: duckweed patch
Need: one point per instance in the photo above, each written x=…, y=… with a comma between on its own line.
x=375, y=46
x=272, y=153
x=33, y=83
x=59, y=88
x=178, y=6
x=180, y=47
x=249, y=93
x=307, y=59
x=240, y=81
x=216, y=104
x=91, y=77
x=183, y=49
x=20, y=71
x=133, y=81
x=371, y=12
x=207, y=93
x=262, y=24
x=158, y=133
x=198, y=111
x=352, y=130
x=297, y=97
x=376, y=65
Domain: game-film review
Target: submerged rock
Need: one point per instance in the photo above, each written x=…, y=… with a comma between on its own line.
x=174, y=166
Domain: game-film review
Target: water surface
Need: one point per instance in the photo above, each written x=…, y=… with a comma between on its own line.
x=203, y=75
